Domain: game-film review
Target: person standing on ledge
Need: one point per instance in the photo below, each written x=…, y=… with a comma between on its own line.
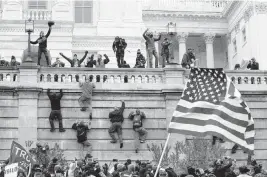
x=116, y=118
x=165, y=52
x=118, y=47
x=75, y=62
x=42, y=41
x=56, y=110
x=151, y=49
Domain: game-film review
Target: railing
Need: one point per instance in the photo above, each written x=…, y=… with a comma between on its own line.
x=37, y=14
x=9, y=75
x=247, y=77
x=185, y=5
x=67, y=75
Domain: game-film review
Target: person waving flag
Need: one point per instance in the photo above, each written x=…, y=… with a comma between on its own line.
x=211, y=105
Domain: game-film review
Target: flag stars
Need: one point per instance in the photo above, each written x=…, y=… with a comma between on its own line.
x=191, y=98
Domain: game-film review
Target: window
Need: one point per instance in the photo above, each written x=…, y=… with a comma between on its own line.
x=83, y=11
x=234, y=45
x=38, y=4
x=244, y=35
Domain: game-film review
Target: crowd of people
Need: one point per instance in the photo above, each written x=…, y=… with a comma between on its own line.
x=252, y=65
x=89, y=166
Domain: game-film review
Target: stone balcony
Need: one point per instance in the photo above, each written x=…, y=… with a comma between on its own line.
x=37, y=14
x=153, y=79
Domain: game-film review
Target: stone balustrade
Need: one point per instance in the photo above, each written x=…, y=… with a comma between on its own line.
x=247, y=77
x=9, y=75
x=185, y=5
x=67, y=75
x=37, y=14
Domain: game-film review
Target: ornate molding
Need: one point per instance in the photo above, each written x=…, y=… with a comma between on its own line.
x=248, y=13
x=261, y=7
x=182, y=37
x=209, y=37
x=229, y=38
x=237, y=27
x=36, y=30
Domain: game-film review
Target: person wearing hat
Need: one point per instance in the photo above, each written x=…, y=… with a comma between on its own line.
x=13, y=61
x=118, y=47
x=75, y=62
x=82, y=130
x=56, y=110
x=58, y=63
x=165, y=51
x=116, y=119
x=188, y=59
x=151, y=49
x=140, y=132
x=140, y=60
x=221, y=168
x=243, y=171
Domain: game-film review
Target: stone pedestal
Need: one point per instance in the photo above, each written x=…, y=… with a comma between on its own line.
x=174, y=73
x=28, y=104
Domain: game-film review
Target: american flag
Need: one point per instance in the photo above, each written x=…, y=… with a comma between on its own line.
x=211, y=105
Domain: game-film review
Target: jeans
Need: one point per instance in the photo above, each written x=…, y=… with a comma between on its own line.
x=55, y=115
x=116, y=128
x=85, y=102
x=151, y=53
x=139, y=135
x=165, y=57
x=40, y=51
x=120, y=59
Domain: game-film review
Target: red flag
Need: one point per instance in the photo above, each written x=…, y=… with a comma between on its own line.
x=19, y=155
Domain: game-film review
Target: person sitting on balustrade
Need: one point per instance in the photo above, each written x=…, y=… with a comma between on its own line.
x=253, y=65
x=100, y=63
x=125, y=65
x=58, y=63
x=75, y=62
x=13, y=61
x=188, y=59
x=140, y=60
x=90, y=62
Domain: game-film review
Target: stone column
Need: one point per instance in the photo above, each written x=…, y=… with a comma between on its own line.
x=182, y=37
x=209, y=38
x=28, y=105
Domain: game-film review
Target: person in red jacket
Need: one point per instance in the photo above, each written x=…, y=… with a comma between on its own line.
x=116, y=118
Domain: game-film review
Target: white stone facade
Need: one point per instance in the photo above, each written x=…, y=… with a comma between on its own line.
x=221, y=34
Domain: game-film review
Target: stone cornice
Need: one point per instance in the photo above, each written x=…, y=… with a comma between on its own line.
x=261, y=7
x=12, y=29
x=182, y=37
x=151, y=15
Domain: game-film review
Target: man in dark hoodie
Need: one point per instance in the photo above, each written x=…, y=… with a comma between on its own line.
x=42, y=41
x=75, y=62
x=56, y=110
x=13, y=61
x=116, y=118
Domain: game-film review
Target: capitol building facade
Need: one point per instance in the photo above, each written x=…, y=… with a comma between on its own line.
x=222, y=33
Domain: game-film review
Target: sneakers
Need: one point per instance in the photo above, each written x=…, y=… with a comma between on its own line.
x=62, y=130
x=52, y=130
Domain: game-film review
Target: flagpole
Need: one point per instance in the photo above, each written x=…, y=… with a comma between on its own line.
x=30, y=169
x=162, y=154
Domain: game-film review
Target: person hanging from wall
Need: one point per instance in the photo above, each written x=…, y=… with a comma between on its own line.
x=165, y=52
x=116, y=119
x=75, y=62
x=42, y=41
x=119, y=46
x=151, y=49
x=86, y=98
x=58, y=63
x=140, y=60
x=56, y=110
x=140, y=132
x=82, y=128
x=188, y=59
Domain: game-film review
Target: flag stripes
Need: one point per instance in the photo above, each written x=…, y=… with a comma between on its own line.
x=211, y=105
